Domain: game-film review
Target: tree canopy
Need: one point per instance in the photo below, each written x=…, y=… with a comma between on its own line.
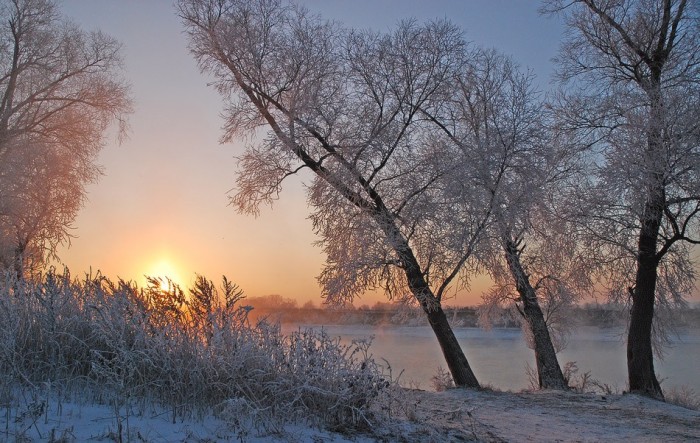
x=60, y=89
x=631, y=70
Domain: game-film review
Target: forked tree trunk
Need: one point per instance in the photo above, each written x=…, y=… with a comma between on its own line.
x=549, y=374
x=461, y=372
x=640, y=356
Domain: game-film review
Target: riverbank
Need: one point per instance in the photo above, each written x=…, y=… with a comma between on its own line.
x=455, y=415
x=550, y=416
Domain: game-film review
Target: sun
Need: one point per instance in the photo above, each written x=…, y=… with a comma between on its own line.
x=164, y=269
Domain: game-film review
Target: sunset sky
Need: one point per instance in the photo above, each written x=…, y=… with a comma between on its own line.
x=162, y=207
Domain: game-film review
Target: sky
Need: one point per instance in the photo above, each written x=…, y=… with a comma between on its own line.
x=161, y=207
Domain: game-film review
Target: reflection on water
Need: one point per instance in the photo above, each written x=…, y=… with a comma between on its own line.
x=499, y=356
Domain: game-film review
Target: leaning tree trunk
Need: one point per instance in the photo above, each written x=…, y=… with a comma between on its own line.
x=462, y=373
x=549, y=372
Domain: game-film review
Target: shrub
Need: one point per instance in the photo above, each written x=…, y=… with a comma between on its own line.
x=683, y=396
x=442, y=380
x=131, y=345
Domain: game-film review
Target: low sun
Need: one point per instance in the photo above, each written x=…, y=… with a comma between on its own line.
x=164, y=269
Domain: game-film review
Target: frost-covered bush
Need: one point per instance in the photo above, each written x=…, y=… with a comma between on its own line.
x=336, y=380
x=191, y=353
x=683, y=396
x=442, y=380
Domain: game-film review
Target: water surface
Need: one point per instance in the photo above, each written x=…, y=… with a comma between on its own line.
x=499, y=357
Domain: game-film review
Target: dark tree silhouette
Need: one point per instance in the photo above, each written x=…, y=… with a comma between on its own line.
x=633, y=71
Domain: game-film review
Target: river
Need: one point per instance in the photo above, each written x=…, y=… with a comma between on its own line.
x=499, y=357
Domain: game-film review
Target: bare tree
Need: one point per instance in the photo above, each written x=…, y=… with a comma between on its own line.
x=633, y=71
x=347, y=106
x=59, y=92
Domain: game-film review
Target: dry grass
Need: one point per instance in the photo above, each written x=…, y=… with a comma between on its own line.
x=190, y=353
x=683, y=396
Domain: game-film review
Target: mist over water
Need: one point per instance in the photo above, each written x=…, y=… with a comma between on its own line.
x=499, y=357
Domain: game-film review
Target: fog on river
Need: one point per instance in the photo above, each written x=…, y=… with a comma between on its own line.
x=500, y=356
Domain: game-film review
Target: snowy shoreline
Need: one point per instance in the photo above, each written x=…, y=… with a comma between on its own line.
x=452, y=415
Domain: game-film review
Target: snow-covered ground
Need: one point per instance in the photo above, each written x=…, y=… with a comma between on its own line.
x=96, y=361
x=77, y=422
x=549, y=416
x=418, y=416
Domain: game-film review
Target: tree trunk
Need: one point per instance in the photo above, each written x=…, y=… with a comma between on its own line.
x=549, y=372
x=454, y=356
x=640, y=356
x=462, y=373
x=18, y=260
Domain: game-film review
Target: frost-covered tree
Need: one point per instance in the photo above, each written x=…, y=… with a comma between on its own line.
x=348, y=106
x=495, y=119
x=632, y=71
x=59, y=92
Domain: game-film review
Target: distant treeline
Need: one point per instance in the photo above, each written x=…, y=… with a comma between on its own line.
x=288, y=311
